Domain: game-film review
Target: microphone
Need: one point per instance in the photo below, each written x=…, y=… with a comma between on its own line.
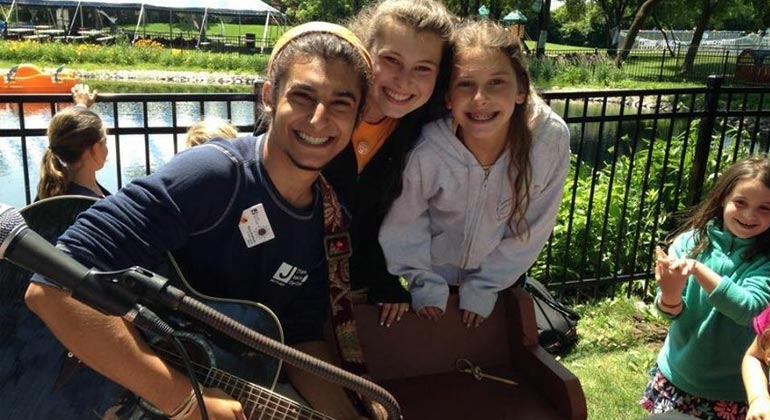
x=112, y=293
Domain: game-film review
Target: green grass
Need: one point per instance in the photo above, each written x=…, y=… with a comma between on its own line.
x=619, y=342
x=212, y=28
x=551, y=47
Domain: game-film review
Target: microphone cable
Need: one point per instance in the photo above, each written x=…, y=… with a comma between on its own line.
x=147, y=320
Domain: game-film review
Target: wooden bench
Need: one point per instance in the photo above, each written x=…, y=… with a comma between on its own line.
x=415, y=360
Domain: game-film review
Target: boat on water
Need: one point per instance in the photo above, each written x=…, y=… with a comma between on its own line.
x=29, y=78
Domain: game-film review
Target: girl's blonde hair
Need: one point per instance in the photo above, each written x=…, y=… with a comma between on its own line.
x=71, y=132
x=487, y=35
x=421, y=15
x=712, y=208
x=209, y=128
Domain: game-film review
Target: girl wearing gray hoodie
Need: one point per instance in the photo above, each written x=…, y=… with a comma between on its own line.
x=482, y=187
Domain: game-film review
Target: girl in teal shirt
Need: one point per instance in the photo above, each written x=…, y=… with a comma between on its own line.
x=714, y=280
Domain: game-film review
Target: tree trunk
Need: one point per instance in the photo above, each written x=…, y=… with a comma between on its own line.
x=641, y=15
x=697, y=36
x=542, y=26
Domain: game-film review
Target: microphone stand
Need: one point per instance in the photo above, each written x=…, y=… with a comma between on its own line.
x=153, y=290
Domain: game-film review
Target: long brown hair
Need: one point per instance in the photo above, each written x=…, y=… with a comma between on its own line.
x=421, y=15
x=712, y=207
x=71, y=132
x=474, y=34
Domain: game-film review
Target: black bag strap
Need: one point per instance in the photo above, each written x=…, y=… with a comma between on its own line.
x=539, y=290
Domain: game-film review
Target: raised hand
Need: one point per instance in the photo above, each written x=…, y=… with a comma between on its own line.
x=82, y=95
x=671, y=275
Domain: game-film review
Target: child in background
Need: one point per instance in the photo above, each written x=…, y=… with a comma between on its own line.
x=77, y=149
x=406, y=39
x=209, y=128
x=714, y=280
x=482, y=187
x=754, y=369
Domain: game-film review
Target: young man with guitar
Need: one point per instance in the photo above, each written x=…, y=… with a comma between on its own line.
x=244, y=220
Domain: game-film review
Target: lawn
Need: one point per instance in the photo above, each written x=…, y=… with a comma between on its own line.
x=212, y=28
x=619, y=341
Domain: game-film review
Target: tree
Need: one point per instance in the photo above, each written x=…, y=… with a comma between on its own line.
x=615, y=13
x=708, y=8
x=641, y=15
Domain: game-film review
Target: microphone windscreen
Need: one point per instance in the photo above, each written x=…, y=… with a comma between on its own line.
x=10, y=219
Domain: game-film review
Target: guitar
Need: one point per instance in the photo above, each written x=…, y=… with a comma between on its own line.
x=40, y=379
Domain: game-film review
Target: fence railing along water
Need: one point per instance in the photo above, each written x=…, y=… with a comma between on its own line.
x=639, y=157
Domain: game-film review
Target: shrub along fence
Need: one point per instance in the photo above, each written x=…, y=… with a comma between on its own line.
x=648, y=64
x=639, y=158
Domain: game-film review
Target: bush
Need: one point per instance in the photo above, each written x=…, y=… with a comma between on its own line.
x=144, y=51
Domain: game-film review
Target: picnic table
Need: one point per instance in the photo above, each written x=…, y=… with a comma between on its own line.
x=18, y=33
x=91, y=33
x=50, y=32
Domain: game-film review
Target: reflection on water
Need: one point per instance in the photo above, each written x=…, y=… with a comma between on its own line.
x=594, y=142
x=159, y=148
x=599, y=142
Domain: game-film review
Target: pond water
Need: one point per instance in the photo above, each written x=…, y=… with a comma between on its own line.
x=133, y=148
x=593, y=142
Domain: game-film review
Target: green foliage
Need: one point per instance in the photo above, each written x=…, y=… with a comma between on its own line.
x=143, y=54
x=613, y=213
x=586, y=27
x=575, y=70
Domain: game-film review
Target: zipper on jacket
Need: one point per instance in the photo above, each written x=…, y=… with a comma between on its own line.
x=475, y=222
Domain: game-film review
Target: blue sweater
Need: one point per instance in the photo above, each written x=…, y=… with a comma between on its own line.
x=192, y=206
x=705, y=344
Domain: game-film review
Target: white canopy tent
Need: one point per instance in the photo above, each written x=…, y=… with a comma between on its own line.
x=205, y=7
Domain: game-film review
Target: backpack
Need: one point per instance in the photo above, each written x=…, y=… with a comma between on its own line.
x=556, y=323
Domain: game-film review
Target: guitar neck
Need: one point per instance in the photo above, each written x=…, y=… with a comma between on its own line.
x=258, y=402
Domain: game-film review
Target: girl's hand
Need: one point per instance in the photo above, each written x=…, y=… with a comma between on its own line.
x=82, y=95
x=472, y=319
x=669, y=273
x=759, y=409
x=432, y=313
x=392, y=312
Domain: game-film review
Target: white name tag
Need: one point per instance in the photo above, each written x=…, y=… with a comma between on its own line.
x=254, y=226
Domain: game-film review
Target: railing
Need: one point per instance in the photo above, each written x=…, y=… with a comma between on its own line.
x=638, y=158
x=660, y=64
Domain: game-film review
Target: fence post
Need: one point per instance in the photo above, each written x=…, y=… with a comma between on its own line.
x=662, y=63
x=724, y=63
x=703, y=145
x=676, y=60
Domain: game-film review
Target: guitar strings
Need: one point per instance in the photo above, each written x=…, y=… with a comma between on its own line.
x=263, y=399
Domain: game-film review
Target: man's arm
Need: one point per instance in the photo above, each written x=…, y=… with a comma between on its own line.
x=116, y=350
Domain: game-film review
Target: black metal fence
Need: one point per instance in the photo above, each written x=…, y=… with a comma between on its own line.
x=661, y=64
x=638, y=158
